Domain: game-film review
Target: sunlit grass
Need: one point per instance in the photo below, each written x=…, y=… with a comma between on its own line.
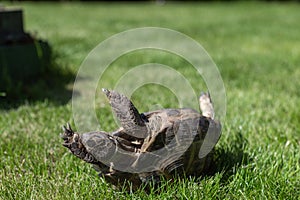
x=257, y=49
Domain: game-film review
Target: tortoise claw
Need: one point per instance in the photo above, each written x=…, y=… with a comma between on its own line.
x=68, y=135
x=106, y=92
x=67, y=131
x=69, y=127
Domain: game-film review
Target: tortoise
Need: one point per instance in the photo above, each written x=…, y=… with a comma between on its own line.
x=148, y=146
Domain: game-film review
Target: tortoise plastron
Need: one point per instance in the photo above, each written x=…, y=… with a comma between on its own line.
x=148, y=145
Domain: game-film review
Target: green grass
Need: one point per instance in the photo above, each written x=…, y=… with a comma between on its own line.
x=257, y=49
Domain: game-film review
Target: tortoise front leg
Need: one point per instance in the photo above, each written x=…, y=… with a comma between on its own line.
x=79, y=145
x=73, y=142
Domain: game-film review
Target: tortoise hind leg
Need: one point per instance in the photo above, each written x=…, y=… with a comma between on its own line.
x=127, y=114
x=206, y=106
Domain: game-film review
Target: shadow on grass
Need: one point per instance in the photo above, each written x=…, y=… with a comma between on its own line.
x=50, y=84
x=228, y=159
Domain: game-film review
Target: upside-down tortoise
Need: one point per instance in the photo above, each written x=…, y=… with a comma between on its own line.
x=149, y=145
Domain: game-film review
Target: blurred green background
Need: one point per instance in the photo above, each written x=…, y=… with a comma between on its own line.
x=256, y=46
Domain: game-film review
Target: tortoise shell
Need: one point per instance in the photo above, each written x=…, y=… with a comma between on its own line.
x=148, y=145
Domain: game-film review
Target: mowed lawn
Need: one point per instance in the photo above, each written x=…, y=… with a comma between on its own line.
x=256, y=47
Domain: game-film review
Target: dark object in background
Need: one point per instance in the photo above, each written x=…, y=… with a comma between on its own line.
x=22, y=57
